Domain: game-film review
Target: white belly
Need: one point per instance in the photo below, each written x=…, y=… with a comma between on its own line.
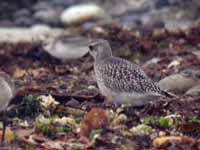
x=135, y=99
x=6, y=94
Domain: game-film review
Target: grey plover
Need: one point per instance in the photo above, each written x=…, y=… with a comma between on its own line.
x=180, y=82
x=120, y=80
x=6, y=94
x=191, y=73
x=67, y=47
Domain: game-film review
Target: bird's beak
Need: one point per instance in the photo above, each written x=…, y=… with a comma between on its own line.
x=90, y=47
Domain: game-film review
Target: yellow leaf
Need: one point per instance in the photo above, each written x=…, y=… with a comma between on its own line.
x=8, y=135
x=196, y=53
x=172, y=139
x=19, y=73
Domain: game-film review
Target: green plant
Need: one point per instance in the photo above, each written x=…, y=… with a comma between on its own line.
x=28, y=107
x=122, y=147
x=45, y=126
x=161, y=121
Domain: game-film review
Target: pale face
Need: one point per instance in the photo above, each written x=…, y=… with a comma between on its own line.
x=47, y=45
x=100, y=49
x=94, y=50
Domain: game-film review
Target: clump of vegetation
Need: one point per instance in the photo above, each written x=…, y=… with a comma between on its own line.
x=29, y=107
x=44, y=126
x=122, y=147
x=141, y=129
x=195, y=119
x=49, y=126
x=63, y=129
x=163, y=122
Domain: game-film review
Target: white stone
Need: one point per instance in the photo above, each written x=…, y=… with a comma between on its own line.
x=174, y=63
x=81, y=13
x=49, y=15
x=40, y=28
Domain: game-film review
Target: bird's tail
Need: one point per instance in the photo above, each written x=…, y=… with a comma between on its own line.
x=168, y=94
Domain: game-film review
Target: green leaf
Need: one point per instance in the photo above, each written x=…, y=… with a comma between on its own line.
x=123, y=147
x=149, y=120
x=164, y=122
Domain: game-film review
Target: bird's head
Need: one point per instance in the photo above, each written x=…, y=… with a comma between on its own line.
x=100, y=49
x=191, y=73
x=48, y=45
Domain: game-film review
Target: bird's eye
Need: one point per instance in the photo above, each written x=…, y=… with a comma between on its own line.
x=90, y=47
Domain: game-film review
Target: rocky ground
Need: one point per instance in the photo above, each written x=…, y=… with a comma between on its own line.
x=73, y=93
x=171, y=14
x=58, y=105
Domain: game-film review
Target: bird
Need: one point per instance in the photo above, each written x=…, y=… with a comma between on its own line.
x=66, y=47
x=180, y=82
x=191, y=73
x=7, y=92
x=120, y=80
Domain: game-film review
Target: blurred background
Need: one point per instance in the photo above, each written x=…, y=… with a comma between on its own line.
x=171, y=14
x=44, y=48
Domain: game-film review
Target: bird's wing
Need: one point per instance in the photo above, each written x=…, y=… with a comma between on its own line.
x=148, y=86
x=123, y=76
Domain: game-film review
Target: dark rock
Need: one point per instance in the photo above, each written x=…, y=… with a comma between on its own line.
x=23, y=21
x=48, y=15
x=22, y=13
x=162, y=3
x=73, y=103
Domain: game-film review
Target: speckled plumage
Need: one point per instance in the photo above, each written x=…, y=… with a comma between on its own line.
x=6, y=92
x=121, y=80
x=122, y=76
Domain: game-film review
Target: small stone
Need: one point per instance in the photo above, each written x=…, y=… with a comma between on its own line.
x=24, y=21
x=73, y=103
x=41, y=5
x=22, y=13
x=191, y=73
x=48, y=15
x=152, y=61
x=91, y=87
x=174, y=63
x=162, y=133
x=40, y=28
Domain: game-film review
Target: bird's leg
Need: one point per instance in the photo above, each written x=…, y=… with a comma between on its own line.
x=4, y=120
